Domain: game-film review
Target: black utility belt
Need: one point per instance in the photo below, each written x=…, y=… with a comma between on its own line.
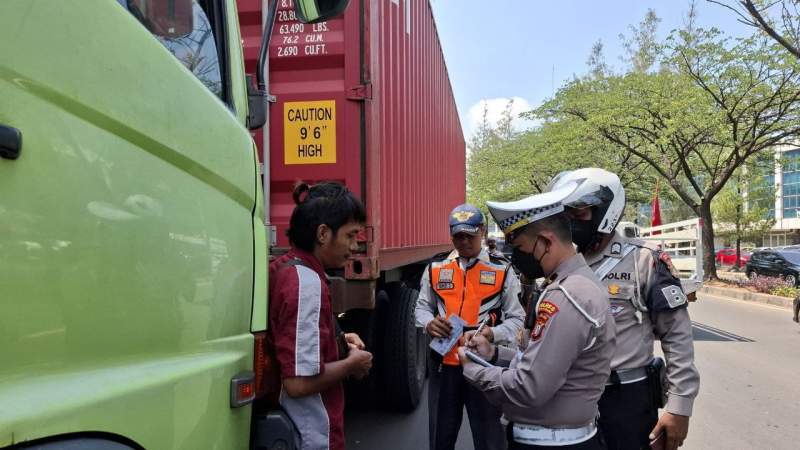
x=627, y=376
x=652, y=373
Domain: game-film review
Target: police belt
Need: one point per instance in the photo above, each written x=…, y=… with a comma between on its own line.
x=551, y=437
x=627, y=376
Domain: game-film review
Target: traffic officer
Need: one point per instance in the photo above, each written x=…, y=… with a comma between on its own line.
x=647, y=302
x=548, y=389
x=477, y=287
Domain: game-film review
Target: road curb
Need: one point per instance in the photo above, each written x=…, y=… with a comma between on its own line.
x=746, y=296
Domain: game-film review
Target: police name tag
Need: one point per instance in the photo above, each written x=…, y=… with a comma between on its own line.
x=488, y=277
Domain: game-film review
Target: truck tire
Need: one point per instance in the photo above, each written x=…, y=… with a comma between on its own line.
x=404, y=351
x=368, y=324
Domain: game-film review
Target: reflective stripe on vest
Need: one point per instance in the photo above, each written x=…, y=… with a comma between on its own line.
x=470, y=295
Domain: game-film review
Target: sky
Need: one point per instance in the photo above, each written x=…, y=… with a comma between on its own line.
x=524, y=49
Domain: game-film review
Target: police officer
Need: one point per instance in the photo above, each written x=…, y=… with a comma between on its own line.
x=647, y=301
x=548, y=389
x=477, y=287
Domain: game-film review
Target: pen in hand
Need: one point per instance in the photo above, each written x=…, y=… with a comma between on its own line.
x=478, y=331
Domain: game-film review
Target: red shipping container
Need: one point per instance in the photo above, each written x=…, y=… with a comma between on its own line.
x=365, y=99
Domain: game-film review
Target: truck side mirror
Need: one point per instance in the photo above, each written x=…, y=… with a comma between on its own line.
x=311, y=11
x=256, y=105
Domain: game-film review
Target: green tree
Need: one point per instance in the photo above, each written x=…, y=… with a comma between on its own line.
x=597, y=62
x=642, y=46
x=741, y=208
x=714, y=104
x=778, y=19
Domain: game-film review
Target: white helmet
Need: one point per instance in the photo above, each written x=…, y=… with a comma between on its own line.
x=597, y=188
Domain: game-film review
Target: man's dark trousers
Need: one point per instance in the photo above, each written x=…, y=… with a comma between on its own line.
x=627, y=416
x=448, y=394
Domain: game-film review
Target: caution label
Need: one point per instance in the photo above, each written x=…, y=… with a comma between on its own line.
x=309, y=132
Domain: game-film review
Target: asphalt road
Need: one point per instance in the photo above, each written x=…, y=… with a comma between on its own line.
x=749, y=361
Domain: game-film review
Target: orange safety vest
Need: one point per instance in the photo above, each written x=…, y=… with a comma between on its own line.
x=473, y=295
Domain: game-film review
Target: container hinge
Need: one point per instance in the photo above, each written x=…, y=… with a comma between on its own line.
x=360, y=93
x=271, y=98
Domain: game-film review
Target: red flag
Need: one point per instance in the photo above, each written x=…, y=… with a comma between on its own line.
x=656, y=211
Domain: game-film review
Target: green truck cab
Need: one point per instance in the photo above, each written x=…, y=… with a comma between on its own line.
x=133, y=287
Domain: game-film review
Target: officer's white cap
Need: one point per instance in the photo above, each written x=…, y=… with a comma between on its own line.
x=512, y=216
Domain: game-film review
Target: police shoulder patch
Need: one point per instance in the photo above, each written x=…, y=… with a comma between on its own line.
x=667, y=261
x=665, y=258
x=547, y=310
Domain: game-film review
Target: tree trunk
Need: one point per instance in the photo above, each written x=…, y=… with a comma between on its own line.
x=738, y=234
x=738, y=253
x=709, y=266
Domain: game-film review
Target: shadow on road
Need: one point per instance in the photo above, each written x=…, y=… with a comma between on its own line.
x=703, y=332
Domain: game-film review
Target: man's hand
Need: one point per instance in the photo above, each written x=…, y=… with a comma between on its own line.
x=487, y=331
x=462, y=357
x=353, y=338
x=676, y=428
x=477, y=343
x=439, y=327
x=358, y=362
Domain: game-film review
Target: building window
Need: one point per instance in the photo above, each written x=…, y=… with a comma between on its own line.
x=767, y=201
x=791, y=184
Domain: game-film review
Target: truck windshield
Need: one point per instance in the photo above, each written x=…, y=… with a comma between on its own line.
x=184, y=28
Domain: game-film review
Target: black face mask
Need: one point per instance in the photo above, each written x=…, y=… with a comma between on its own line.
x=527, y=264
x=584, y=233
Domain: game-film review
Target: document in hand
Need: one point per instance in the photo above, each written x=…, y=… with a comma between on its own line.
x=477, y=359
x=443, y=345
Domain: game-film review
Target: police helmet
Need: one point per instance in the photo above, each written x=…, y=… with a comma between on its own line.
x=598, y=189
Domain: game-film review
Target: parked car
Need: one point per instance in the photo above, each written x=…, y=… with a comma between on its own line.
x=775, y=263
x=727, y=257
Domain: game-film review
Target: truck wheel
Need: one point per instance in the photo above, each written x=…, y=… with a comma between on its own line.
x=404, y=352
